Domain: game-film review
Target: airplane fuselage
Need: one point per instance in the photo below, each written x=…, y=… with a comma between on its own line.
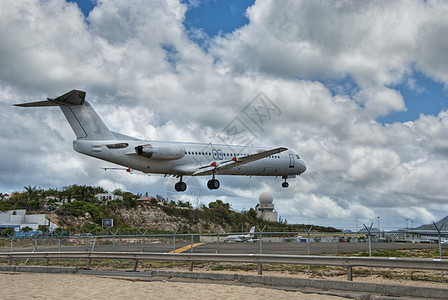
x=177, y=158
x=238, y=238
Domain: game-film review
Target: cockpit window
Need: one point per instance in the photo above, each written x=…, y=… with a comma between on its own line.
x=117, y=145
x=298, y=157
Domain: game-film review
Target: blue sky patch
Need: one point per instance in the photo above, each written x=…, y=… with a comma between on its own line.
x=86, y=6
x=422, y=95
x=217, y=17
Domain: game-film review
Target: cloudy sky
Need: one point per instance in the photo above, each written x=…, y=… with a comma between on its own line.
x=360, y=86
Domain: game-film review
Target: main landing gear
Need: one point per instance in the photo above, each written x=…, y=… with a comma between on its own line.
x=285, y=184
x=180, y=186
x=213, y=184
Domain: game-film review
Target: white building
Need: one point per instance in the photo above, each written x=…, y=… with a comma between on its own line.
x=108, y=197
x=56, y=200
x=265, y=209
x=18, y=219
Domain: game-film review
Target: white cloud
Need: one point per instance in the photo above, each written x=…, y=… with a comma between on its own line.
x=380, y=101
x=376, y=44
x=147, y=79
x=314, y=207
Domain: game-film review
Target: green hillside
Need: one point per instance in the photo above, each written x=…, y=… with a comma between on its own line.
x=76, y=208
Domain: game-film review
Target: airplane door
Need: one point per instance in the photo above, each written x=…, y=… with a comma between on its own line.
x=291, y=161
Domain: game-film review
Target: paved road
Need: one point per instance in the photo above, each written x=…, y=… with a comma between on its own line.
x=302, y=249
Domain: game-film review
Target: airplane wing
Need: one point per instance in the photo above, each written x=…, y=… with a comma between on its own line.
x=121, y=169
x=129, y=170
x=235, y=161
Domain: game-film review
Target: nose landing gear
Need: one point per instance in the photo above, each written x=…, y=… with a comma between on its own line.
x=285, y=184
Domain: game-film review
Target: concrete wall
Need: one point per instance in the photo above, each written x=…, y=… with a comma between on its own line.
x=7, y=215
x=38, y=219
x=21, y=220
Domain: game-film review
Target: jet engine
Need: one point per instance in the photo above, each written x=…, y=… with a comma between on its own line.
x=162, y=152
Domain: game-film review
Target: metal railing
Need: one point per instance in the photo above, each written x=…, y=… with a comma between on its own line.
x=259, y=259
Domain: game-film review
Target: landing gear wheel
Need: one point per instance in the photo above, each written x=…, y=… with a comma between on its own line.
x=284, y=183
x=180, y=186
x=213, y=184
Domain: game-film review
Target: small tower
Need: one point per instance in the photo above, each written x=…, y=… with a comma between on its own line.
x=265, y=209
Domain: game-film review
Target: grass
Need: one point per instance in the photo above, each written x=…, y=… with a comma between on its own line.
x=409, y=253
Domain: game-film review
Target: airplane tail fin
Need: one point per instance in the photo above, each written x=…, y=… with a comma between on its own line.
x=252, y=231
x=83, y=119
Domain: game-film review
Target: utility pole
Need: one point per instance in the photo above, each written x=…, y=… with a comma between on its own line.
x=440, y=244
x=369, y=229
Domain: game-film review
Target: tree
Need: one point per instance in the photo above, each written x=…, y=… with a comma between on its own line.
x=8, y=231
x=59, y=231
x=26, y=229
x=219, y=204
x=127, y=196
x=82, y=192
x=118, y=192
x=43, y=228
x=220, y=211
x=129, y=200
x=186, y=204
x=252, y=215
x=31, y=192
x=88, y=227
x=161, y=199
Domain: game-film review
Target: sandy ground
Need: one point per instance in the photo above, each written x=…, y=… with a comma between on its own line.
x=76, y=286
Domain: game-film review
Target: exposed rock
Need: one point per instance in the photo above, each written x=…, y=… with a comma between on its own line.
x=144, y=216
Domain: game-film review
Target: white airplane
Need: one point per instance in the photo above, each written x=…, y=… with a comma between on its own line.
x=93, y=138
x=242, y=237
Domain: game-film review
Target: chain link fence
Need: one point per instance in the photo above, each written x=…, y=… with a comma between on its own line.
x=393, y=244
x=412, y=244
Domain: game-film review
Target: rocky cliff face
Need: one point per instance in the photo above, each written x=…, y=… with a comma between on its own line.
x=148, y=217
x=151, y=217
x=155, y=218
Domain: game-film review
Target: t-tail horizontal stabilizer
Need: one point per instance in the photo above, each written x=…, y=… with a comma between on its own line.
x=71, y=98
x=83, y=119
